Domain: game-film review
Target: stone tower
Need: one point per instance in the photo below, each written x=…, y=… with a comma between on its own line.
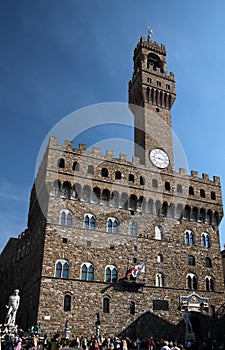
x=153, y=89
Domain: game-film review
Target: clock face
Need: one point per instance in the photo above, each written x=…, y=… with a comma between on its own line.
x=159, y=158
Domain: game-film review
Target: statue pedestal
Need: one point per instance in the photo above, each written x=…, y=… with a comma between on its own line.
x=190, y=336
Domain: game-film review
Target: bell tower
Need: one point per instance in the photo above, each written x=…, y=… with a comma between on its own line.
x=151, y=96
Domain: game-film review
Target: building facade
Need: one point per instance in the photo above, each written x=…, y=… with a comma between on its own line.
x=93, y=217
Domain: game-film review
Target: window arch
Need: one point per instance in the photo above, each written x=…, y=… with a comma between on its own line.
x=213, y=195
x=192, y=282
x=209, y=284
x=191, y=191
x=87, y=272
x=124, y=200
x=106, y=304
x=105, y=172
x=159, y=280
x=205, y=240
x=133, y=229
x=111, y=274
x=158, y=232
x=66, y=190
x=142, y=181
x=114, y=199
x=189, y=237
x=133, y=202
x=56, y=188
x=90, y=169
x=96, y=195
x=131, y=178
x=86, y=193
x=154, y=183
x=154, y=61
x=67, y=302
x=112, y=225
x=62, y=269
x=202, y=193
x=167, y=186
x=194, y=214
x=179, y=188
x=191, y=260
x=117, y=175
x=187, y=212
x=65, y=218
x=105, y=197
x=208, y=262
x=89, y=222
x=76, y=166
x=61, y=163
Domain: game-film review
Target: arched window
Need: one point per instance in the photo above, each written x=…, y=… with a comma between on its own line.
x=208, y=218
x=141, y=204
x=90, y=169
x=76, y=192
x=56, y=188
x=201, y=217
x=187, y=212
x=208, y=262
x=65, y=218
x=86, y=193
x=105, y=197
x=179, y=211
x=87, y=272
x=132, y=308
x=106, y=305
x=124, y=200
x=194, y=214
x=61, y=163
x=112, y=225
x=76, y=166
x=133, y=202
x=111, y=274
x=167, y=186
x=117, y=175
x=192, y=282
x=158, y=232
x=154, y=183
x=89, y=222
x=66, y=190
x=96, y=195
x=142, y=180
x=191, y=191
x=209, y=283
x=114, y=200
x=62, y=269
x=67, y=303
x=133, y=229
x=202, y=193
x=179, y=188
x=159, y=280
x=191, y=260
x=205, y=240
x=131, y=178
x=154, y=61
x=189, y=237
x=213, y=195
x=105, y=172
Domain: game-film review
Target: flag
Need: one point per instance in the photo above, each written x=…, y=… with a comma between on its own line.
x=138, y=269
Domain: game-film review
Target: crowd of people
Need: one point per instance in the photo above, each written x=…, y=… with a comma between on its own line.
x=21, y=342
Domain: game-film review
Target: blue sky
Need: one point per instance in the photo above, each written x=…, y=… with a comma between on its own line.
x=60, y=56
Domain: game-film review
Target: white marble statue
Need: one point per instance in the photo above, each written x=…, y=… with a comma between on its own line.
x=13, y=304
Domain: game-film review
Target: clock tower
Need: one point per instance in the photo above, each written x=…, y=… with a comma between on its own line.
x=151, y=96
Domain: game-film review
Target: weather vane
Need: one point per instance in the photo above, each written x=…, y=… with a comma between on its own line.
x=150, y=32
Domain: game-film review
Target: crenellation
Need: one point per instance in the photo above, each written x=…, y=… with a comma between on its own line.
x=135, y=161
x=205, y=176
x=109, y=154
x=96, y=151
x=123, y=157
x=182, y=171
x=68, y=145
x=194, y=174
x=82, y=147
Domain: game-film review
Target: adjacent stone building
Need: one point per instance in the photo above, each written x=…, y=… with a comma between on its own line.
x=93, y=217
